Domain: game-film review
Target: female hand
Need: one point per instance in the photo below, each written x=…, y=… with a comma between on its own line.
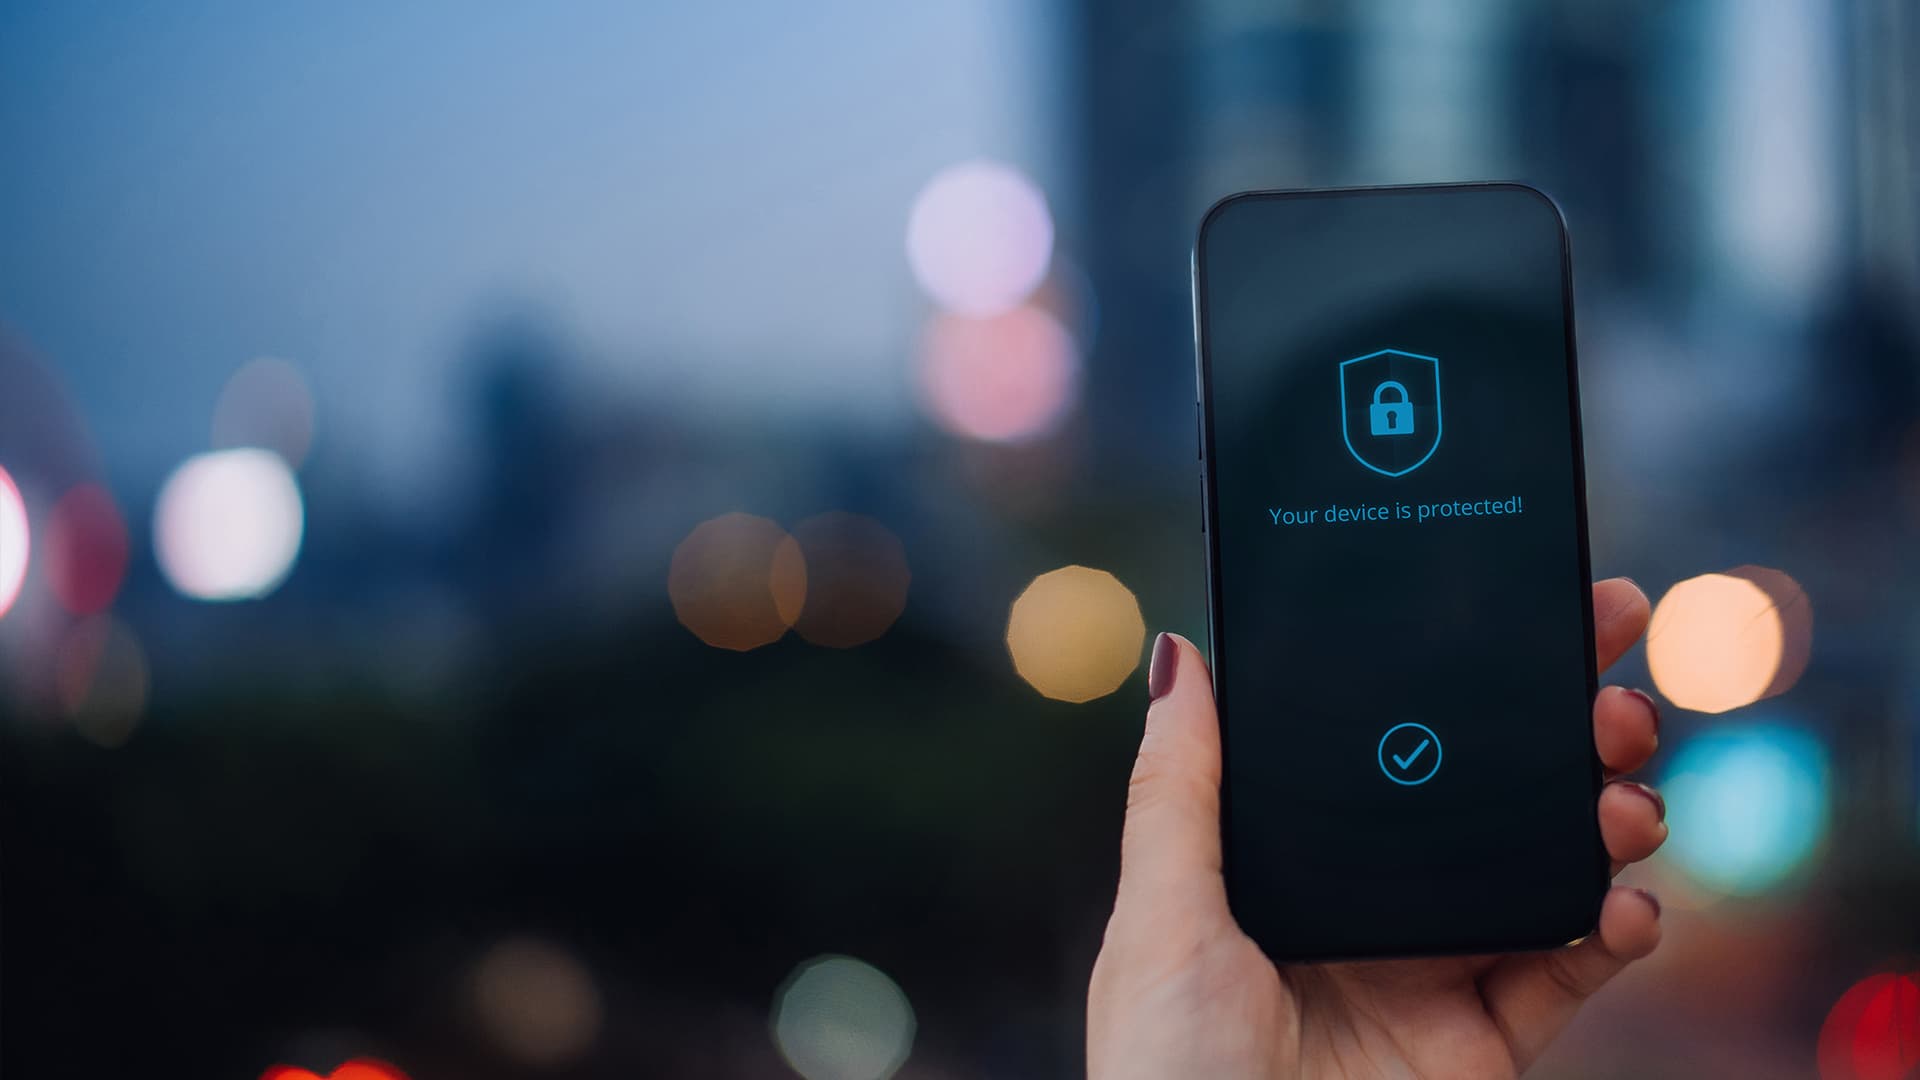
x=1180, y=991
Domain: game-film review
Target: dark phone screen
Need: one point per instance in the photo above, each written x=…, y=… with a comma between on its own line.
x=1402, y=632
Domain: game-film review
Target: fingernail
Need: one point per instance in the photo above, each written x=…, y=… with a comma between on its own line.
x=1653, y=796
x=1652, y=900
x=1653, y=707
x=1164, y=666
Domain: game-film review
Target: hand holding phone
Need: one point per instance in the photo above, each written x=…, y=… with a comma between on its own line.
x=1401, y=749
x=1180, y=989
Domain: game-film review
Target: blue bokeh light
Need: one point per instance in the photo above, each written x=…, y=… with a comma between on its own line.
x=1748, y=805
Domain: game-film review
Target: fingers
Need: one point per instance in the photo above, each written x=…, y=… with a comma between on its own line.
x=1626, y=728
x=1531, y=996
x=1626, y=731
x=1633, y=821
x=1170, y=845
x=1620, y=613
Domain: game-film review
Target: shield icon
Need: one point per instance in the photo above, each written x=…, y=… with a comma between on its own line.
x=1390, y=409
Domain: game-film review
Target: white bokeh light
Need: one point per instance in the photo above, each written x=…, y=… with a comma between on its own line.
x=228, y=524
x=14, y=542
x=979, y=238
x=836, y=1018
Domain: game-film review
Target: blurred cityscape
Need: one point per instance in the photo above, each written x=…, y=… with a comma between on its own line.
x=618, y=541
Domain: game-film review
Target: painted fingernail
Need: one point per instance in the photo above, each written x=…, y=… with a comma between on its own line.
x=1651, y=795
x=1164, y=666
x=1653, y=707
x=1652, y=901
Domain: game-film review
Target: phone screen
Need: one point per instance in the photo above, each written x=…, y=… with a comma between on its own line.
x=1401, y=613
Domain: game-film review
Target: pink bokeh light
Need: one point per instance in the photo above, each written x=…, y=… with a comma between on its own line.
x=86, y=549
x=1008, y=378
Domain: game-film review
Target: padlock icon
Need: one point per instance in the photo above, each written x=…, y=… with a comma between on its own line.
x=1392, y=417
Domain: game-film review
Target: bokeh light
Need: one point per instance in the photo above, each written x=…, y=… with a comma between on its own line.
x=1873, y=1031
x=1795, y=613
x=102, y=679
x=228, y=524
x=737, y=581
x=357, y=1069
x=1076, y=633
x=856, y=579
x=86, y=549
x=1748, y=805
x=266, y=404
x=537, y=1002
x=1007, y=378
x=1720, y=641
x=979, y=238
x=15, y=542
x=836, y=1018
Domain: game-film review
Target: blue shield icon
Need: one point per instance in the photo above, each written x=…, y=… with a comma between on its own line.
x=1390, y=409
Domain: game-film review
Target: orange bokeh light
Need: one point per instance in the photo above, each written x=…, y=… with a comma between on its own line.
x=854, y=579
x=538, y=1003
x=1721, y=641
x=1076, y=633
x=1795, y=612
x=737, y=581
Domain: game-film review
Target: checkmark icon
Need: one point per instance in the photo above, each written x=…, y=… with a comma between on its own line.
x=1415, y=767
x=1407, y=761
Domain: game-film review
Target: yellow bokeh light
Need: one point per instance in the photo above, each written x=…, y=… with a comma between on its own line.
x=1720, y=641
x=737, y=581
x=1076, y=633
x=854, y=576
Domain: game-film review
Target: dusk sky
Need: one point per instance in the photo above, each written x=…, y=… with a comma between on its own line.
x=359, y=188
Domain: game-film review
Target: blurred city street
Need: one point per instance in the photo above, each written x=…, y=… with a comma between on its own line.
x=622, y=540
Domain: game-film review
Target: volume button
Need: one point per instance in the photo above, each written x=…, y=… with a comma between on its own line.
x=1199, y=435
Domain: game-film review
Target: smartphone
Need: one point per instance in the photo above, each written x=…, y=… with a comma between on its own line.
x=1400, y=610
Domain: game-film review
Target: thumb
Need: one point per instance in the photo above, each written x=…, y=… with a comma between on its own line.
x=1170, y=846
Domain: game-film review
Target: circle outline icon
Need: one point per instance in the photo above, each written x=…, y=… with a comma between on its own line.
x=1380, y=754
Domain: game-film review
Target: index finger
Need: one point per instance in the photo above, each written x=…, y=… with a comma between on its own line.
x=1620, y=613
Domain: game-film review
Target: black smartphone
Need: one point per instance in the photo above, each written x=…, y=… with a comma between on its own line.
x=1398, y=574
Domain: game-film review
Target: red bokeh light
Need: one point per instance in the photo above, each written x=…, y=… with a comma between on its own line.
x=86, y=549
x=1873, y=1031
x=357, y=1069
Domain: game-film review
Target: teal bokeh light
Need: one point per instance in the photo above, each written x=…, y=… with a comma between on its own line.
x=1747, y=804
